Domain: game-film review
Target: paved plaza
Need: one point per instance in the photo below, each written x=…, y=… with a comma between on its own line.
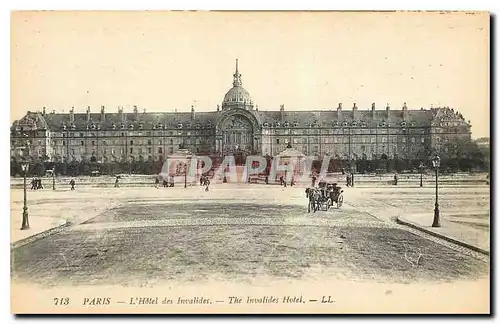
x=245, y=233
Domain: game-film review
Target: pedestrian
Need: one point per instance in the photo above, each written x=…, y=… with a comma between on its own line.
x=40, y=186
x=313, y=181
x=72, y=184
x=33, y=184
x=207, y=183
x=157, y=182
x=116, y=182
x=266, y=180
x=171, y=181
x=292, y=183
x=201, y=180
x=281, y=181
x=395, y=179
x=348, y=180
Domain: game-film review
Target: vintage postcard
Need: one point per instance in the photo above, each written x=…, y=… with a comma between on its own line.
x=250, y=162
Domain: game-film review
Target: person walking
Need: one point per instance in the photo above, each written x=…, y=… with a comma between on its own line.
x=33, y=183
x=40, y=186
x=116, y=182
x=157, y=182
x=395, y=179
x=72, y=184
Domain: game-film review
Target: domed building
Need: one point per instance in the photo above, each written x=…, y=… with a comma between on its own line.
x=238, y=129
x=237, y=96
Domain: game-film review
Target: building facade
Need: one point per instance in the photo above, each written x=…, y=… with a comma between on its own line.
x=237, y=127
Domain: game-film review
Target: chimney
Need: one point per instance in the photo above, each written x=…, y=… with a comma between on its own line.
x=72, y=115
x=405, y=112
x=282, y=113
x=218, y=107
x=88, y=114
x=120, y=114
x=103, y=114
x=354, y=111
x=192, y=112
x=373, y=110
x=43, y=111
x=256, y=107
x=136, y=112
x=387, y=108
x=339, y=111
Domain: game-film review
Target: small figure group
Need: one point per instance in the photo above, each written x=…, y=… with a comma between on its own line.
x=166, y=184
x=36, y=183
x=204, y=180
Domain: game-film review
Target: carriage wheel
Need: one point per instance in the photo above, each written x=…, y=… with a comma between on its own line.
x=340, y=201
x=329, y=203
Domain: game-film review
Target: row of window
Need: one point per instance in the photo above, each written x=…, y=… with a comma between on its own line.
x=346, y=140
x=122, y=151
x=341, y=151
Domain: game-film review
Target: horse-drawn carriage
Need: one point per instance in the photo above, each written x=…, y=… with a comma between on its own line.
x=324, y=196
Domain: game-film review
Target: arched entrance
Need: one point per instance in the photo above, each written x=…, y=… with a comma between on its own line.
x=237, y=135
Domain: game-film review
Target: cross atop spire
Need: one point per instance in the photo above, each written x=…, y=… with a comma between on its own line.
x=236, y=77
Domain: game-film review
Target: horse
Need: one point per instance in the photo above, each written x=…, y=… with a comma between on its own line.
x=314, y=196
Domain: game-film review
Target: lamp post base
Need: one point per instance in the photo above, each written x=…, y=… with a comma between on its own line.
x=436, y=221
x=421, y=183
x=26, y=224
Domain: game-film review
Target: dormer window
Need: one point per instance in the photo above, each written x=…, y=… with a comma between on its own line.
x=122, y=126
x=296, y=124
x=266, y=124
x=160, y=125
x=113, y=126
x=278, y=124
x=131, y=127
x=354, y=124
x=141, y=126
x=188, y=125
x=179, y=125
x=403, y=124
x=93, y=126
x=287, y=124
x=344, y=124
x=64, y=127
x=198, y=125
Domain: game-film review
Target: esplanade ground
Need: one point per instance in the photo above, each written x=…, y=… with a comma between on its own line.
x=142, y=236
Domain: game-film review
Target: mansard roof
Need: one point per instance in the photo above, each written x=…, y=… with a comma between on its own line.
x=271, y=118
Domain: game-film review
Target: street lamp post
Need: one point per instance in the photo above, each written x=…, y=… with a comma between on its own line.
x=436, y=161
x=53, y=179
x=185, y=175
x=421, y=174
x=26, y=224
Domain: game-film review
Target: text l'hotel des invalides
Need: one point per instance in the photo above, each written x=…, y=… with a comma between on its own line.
x=237, y=127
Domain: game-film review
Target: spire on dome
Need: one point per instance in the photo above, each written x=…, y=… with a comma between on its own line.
x=236, y=77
